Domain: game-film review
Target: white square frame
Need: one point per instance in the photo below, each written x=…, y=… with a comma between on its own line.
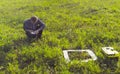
x=93, y=56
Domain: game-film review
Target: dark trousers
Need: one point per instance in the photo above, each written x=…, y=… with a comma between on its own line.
x=29, y=35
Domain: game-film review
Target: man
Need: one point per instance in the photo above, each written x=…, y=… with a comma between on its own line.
x=33, y=27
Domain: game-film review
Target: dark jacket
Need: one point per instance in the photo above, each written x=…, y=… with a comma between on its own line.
x=29, y=26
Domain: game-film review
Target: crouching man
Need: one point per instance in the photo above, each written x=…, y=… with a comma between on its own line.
x=33, y=27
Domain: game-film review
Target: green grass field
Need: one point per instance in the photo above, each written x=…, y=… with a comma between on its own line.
x=70, y=24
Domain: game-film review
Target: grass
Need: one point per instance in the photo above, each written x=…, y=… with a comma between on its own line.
x=75, y=24
x=79, y=55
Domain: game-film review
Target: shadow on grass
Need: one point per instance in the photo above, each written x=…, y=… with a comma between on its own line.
x=15, y=44
x=5, y=49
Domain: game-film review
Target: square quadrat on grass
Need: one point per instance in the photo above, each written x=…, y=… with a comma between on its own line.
x=80, y=55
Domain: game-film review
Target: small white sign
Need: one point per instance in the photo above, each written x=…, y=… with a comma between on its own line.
x=109, y=50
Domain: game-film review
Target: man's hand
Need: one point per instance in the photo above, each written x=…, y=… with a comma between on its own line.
x=32, y=32
x=35, y=32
